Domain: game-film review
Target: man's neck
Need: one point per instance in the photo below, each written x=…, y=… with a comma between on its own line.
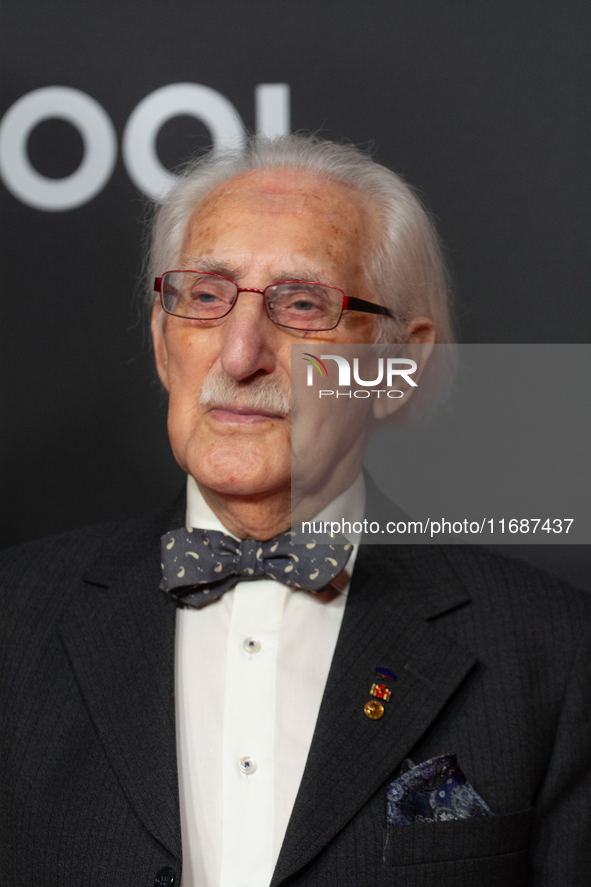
x=260, y=517
x=202, y=513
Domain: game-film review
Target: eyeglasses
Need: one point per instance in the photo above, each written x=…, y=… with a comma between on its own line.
x=295, y=304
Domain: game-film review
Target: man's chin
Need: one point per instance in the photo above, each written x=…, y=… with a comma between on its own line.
x=245, y=476
x=236, y=486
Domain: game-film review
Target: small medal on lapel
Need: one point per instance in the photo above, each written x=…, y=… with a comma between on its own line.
x=373, y=709
x=383, y=672
x=381, y=692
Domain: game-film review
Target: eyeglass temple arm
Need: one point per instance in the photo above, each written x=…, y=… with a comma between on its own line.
x=353, y=304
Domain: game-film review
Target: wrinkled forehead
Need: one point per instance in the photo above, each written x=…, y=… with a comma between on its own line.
x=332, y=210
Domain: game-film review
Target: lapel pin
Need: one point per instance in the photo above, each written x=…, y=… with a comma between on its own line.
x=381, y=691
x=373, y=709
x=383, y=672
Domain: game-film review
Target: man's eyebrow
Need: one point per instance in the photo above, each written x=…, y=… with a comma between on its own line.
x=298, y=274
x=213, y=266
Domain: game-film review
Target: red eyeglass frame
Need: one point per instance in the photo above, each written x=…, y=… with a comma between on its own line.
x=350, y=303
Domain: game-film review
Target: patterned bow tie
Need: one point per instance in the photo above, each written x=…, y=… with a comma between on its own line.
x=200, y=565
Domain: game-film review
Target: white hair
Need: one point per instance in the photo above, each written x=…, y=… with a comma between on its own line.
x=405, y=269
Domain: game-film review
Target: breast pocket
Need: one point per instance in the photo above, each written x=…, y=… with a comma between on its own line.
x=490, y=850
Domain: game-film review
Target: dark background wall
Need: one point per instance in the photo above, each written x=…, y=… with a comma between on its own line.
x=482, y=106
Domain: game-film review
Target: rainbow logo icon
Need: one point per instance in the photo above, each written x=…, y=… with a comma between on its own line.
x=315, y=361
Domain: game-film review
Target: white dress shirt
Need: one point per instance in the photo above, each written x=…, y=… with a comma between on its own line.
x=250, y=672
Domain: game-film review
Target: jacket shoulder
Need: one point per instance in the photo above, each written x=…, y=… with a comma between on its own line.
x=490, y=594
x=39, y=576
x=482, y=567
x=523, y=597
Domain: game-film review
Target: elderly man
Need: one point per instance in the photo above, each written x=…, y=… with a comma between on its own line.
x=229, y=730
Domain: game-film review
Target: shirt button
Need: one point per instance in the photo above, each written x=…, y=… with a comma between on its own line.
x=251, y=645
x=247, y=765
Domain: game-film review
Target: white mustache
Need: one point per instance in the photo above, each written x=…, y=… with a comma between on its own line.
x=262, y=393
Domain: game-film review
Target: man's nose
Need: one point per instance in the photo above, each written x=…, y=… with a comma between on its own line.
x=250, y=338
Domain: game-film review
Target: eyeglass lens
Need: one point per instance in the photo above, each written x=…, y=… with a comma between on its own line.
x=297, y=305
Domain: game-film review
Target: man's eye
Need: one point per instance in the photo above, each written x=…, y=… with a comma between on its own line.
x=303, y=302
x=205, y=298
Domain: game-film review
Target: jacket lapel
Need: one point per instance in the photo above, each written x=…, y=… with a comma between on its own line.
x=120, y=640
x=385, y=624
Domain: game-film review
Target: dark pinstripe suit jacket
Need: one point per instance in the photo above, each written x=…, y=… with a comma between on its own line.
x=492, y=659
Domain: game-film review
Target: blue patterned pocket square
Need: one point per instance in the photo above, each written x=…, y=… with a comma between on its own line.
x=434, y=790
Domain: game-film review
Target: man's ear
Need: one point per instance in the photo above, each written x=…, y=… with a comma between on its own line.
x=159, y=343
x=420, y=331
